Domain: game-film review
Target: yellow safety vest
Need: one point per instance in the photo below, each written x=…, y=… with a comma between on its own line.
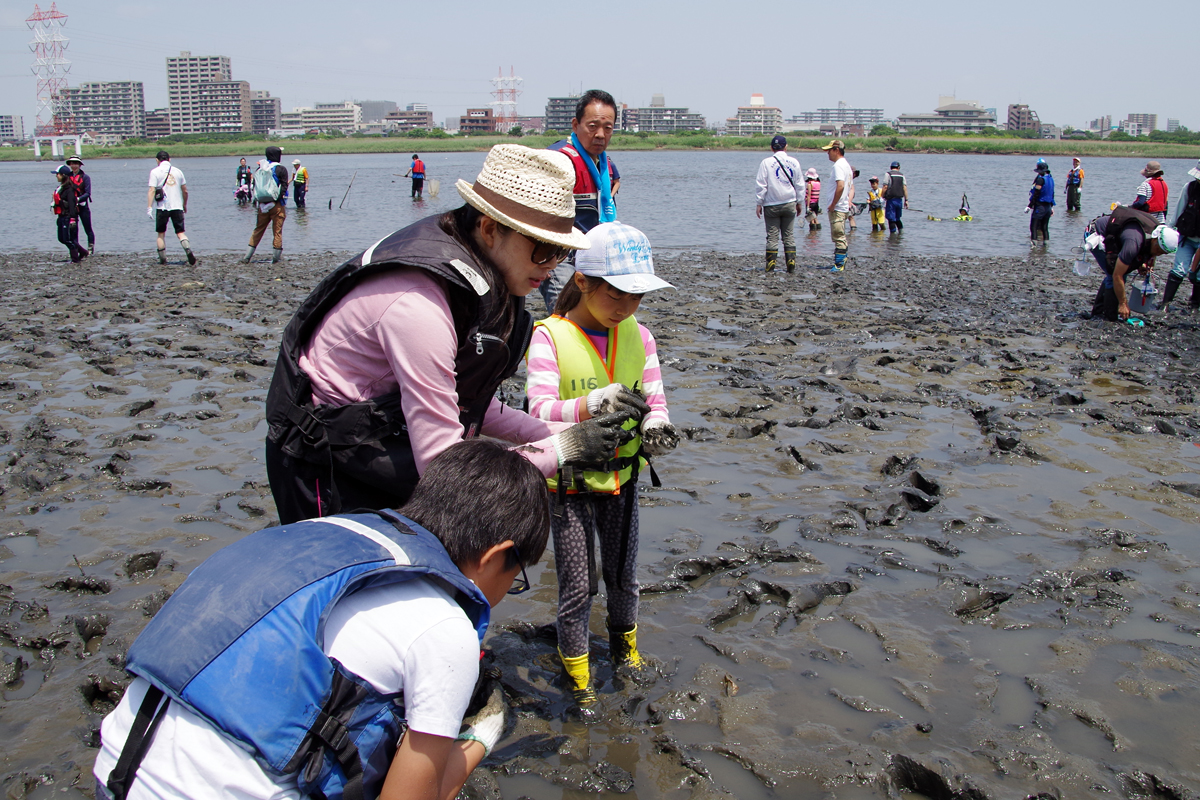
x=581, y=369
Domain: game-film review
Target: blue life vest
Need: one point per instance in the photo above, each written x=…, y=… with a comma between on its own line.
x=1046, y=195
x=241, y=644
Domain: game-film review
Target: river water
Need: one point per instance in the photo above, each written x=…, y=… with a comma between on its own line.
x=682, y=200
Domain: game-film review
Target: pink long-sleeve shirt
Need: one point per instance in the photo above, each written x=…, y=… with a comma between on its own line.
x=395, y=331
x=541, y=386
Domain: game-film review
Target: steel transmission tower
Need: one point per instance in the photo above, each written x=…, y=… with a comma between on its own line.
x=51, y=67
x=506, y=93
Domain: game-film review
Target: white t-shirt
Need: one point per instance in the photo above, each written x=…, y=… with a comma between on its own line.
x=172, y=181
x=411, y=637
x=842, y=172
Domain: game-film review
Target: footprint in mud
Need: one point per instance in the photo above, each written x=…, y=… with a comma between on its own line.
x=101, y=694
x=82, y=585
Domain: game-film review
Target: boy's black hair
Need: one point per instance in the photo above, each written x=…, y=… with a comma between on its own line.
x=594, y=96
x=478, y=493
x=414, y=156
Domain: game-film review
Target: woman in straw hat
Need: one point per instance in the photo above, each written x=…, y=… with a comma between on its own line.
x=399, y=352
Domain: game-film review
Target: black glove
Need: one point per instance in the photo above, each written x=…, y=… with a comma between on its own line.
x=617, y=397
x=590, y=443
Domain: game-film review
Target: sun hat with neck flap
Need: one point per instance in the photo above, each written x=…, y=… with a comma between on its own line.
x=531, y=191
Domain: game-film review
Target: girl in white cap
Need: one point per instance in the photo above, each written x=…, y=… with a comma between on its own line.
x=398, y=353
x=590, y=355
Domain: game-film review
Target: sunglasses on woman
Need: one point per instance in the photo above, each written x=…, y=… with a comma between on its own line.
x=545, y=252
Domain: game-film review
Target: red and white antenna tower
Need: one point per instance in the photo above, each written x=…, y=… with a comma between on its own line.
x=51, y=67
x=506, y=93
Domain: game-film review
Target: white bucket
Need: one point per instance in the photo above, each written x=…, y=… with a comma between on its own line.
x=1141, y=303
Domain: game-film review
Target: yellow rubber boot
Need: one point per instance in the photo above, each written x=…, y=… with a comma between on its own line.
x=623, y=646
x=579, y=678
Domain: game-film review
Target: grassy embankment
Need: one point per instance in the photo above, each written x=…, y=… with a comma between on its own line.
x=980, y=145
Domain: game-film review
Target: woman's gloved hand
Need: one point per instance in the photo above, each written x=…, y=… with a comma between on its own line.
x=590, y=443
x=659, y=437
x=487, y=725
x=617, y=397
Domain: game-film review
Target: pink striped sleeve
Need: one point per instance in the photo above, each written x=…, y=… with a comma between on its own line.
x=541, y=386
x=514, y=425
x=652, y=383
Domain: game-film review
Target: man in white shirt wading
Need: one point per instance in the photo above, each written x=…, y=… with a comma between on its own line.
x=839, y=207
x=779, y=201
x=166, y=199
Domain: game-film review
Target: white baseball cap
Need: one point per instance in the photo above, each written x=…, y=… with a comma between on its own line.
x=620, y=254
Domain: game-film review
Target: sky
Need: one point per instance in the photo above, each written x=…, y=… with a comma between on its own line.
x=1070, y=60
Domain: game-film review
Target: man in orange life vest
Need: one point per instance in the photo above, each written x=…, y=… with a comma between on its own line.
x=596, y=177
x=417, y=170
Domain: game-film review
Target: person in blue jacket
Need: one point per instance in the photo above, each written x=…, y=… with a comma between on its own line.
x=338, y=656
x=1041, y=202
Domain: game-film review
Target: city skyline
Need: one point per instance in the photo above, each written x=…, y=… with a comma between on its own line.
x=697, y=57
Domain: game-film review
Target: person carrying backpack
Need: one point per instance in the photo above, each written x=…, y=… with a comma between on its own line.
x=895, y=196
x=1186, y=220
x=269, y=193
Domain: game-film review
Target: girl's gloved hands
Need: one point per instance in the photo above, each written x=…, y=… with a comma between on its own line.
x=617, y=397
x=590, y=443
x=659, y=437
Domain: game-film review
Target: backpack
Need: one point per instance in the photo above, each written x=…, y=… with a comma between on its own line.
x=1188, y=223
x=266, y=185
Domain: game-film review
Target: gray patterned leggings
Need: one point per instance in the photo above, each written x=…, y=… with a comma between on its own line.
x=604, y=514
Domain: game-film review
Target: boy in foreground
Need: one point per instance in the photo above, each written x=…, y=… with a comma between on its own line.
x=337, y=656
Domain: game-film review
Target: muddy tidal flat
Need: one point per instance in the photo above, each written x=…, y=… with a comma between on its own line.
x=929, y=533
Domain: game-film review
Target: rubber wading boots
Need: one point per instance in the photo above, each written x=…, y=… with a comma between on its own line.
x=579, y=678
x=789, y=258
x=772, y=259
x=249, y=255
x=627, y=661
x=1173, y=282
x=623, y=646
x=276, y=255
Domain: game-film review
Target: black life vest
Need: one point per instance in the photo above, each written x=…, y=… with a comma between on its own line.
x=1122, y=218
x=895, y=187
x=1188, y=223
x=370, y=438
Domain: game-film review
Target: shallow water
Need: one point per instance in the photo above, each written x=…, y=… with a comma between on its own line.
x=682, y=200
x=1039, y=622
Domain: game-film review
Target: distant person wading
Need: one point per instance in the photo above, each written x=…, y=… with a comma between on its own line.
x=269, y=190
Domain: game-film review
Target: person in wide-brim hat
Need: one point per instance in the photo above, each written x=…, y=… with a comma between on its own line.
x=1152, y=169
x=419, y=331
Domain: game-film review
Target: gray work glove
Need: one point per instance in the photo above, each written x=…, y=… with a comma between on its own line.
x=659, y=437
x=617, y=397
x=590, y=443
x=487, y=725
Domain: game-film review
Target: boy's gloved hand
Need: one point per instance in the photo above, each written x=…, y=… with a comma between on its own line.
x=617, y=397
x=590, y=443
x=487, y=725
x=659, y=437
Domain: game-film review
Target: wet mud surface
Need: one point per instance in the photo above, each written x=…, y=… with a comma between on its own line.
x=928, y=533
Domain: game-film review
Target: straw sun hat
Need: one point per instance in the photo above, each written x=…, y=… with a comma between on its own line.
x=531, y=191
